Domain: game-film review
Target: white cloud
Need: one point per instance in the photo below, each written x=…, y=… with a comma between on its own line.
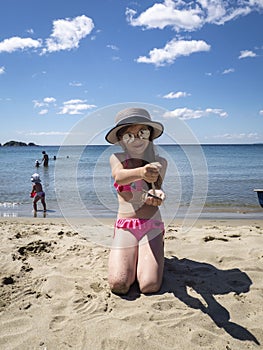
x=2, y=70
x=261, y=112
x=172, y=50
x=30, y=31
x=49, y=100
x=177, y=94
x=43, y=111
x=67, y=33
x=212, y=10
x=116, y=58
x=16, y=43
x=186, y=113
x=231, y=14
x=75, y=83
x=228, y=71
x=191, y=15
x=34, y=75
x=46, y=133
x=46, y=101
x=73, y=106
x=113, y=47
x=246, y=53
x=240, y=136
x=74, y=101
x=167, y=14
x=76, y=106
x=38, y=104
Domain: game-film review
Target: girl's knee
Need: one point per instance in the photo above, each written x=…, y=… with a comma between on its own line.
x=119, y=288
x=119, y=285
x=120, y=278
x=150, y=288
x=150, y=285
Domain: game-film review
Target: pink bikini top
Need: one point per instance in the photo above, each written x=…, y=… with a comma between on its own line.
x=134, y=186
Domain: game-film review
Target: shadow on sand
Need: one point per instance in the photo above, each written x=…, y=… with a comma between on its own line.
x=207, y=281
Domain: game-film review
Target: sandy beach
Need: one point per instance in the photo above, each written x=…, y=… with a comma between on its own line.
x=55, y=295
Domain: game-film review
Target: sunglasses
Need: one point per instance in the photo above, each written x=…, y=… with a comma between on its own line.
x=129, y=137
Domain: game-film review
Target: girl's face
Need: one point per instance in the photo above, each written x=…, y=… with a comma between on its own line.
x=136, y=139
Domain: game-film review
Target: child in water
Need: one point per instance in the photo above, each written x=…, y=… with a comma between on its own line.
x=137, y=252
x=37, y=193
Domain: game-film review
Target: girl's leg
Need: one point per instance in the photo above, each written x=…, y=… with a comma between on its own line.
x=150, y=262
x=122, y=261
x=36, y=199
x=43, y=203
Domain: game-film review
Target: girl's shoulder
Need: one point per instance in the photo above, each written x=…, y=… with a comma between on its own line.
x=117, y=158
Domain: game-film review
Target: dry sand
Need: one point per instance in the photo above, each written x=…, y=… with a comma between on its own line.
x=54, y=291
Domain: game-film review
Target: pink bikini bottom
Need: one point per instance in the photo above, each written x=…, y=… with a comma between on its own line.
x=139, y=227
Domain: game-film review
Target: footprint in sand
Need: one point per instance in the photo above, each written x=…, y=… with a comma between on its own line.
x=58, y=322
x=113, y=343
x=202, y=338
x=94, y=302
x=163, y=305
x=16, y=332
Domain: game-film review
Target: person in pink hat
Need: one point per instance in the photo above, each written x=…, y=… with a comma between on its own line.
x=137, y=252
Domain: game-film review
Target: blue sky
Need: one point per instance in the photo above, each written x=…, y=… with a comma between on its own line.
x=61, y=61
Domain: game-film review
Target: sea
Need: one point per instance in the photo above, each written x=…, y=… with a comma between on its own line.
x=202, y=181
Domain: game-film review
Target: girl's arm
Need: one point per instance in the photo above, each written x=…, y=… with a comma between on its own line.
x=123, y=176
x=32, y=193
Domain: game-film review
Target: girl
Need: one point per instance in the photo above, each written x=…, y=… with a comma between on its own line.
x=37, y=193
x=137, y=251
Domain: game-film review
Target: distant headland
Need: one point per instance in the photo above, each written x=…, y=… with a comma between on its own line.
x=17, y=144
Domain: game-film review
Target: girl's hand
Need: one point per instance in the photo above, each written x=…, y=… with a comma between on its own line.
x=150, y=172
x=155, y=199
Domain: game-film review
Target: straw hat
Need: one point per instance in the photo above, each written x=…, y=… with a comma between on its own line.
x=132, y=116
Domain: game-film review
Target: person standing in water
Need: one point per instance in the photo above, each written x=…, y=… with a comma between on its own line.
x=45, y=159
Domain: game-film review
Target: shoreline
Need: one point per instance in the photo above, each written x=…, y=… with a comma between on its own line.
x=110, y=221
x=207, y=213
